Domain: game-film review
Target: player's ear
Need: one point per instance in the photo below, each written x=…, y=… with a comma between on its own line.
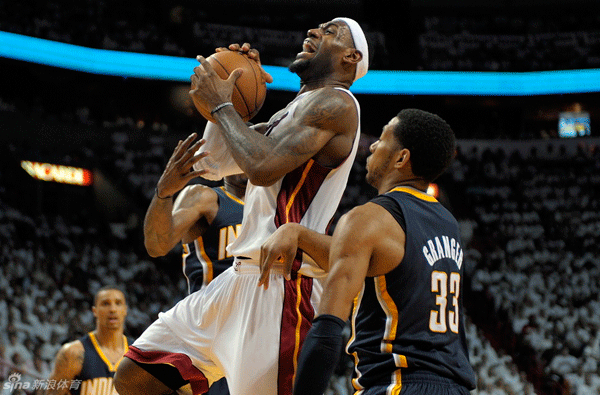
x=94, y=311
x=353, y=56
x=402, y=157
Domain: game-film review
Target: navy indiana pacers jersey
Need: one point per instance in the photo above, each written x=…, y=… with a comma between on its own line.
x=97, y=372
x=206, y=257
x=411, y=319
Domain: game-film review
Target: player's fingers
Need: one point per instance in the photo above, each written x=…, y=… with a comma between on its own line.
x=195, y=174
x=189, y=161
x=234, y=47
x=222, y=49
x=287, y=266
x=245, y=48
x=182, y=146
x=266, y=76
x=235, y=74
x=191, y=150
x=187, y=142
x=266, y=262
x=205, y=65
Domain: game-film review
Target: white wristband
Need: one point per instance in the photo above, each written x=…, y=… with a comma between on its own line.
x=220, y=106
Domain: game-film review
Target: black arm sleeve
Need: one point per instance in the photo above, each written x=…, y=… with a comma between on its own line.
x=319, y=356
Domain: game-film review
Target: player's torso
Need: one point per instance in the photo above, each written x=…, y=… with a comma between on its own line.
x=207, y=256
x=97, y=372
x=308, y=195
x=420, y=302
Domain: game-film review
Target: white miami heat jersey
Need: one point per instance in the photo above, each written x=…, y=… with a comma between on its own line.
x=308, y=195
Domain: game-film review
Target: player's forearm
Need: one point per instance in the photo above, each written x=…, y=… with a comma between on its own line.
x=250, y=149
x=158, y=227
x=316, y=245
x=319, y=356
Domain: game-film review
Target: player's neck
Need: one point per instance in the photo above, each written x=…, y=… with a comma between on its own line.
x=416, y=183
x=313, y=84
x=110, y=338
x=237, y=190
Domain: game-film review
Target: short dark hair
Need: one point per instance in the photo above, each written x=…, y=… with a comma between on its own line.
x=429, y=139
x=107, y=288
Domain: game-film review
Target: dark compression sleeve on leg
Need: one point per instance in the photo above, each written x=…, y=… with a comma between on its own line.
x=319, y=356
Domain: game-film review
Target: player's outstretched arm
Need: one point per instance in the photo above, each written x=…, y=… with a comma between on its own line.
x=67, y=365
x=161, y=232
x=281, y=248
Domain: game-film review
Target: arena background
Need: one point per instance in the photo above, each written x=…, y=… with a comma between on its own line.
x=527, y=200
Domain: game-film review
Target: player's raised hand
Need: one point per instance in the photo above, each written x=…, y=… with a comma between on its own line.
x=208, y=87
x=279, y=249
x=179, y=170
x=252, y=53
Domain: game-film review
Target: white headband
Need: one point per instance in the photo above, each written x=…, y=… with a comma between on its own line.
x=360, y=43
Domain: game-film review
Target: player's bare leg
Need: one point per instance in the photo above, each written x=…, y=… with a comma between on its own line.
x=130, y=379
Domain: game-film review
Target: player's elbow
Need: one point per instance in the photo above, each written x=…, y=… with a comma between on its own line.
x=262, y=178
x=155, y=251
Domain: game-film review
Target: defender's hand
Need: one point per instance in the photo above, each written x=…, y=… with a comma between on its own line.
x=280, y=248
x=179, y=170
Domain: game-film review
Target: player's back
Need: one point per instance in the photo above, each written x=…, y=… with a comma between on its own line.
x=410, y=319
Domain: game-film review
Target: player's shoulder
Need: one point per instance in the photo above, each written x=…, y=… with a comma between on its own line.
x=366, y=213
x=196, y=194
x=329, y=108
x=368, y=219
x=74, y=350
x=333, y=96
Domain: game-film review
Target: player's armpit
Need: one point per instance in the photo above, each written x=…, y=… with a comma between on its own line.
x=67, y=365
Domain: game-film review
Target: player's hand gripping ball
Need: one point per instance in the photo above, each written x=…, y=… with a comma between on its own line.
x=250, y=88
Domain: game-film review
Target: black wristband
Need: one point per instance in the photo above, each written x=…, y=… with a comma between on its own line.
x=220, y=106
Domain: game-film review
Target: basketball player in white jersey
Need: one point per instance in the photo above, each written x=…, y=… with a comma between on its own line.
x=297, y=165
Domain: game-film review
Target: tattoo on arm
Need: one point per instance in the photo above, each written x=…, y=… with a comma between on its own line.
x=67, y=366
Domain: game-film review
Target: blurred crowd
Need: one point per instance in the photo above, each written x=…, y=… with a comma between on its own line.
x=510, y=42
x=533, y=251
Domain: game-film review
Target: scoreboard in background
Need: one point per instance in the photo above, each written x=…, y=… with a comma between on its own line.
x=58, y=173
x=574, y=124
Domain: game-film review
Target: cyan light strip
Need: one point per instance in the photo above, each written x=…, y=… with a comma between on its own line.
x=172, y=68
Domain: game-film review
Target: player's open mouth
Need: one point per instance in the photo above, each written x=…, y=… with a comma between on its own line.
x=308, y=47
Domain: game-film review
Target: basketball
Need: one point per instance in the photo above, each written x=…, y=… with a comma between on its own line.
x=250, y=89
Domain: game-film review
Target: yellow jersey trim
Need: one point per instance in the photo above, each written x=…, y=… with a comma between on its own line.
x=111, y=367
x=232, y=197
x=416, y=193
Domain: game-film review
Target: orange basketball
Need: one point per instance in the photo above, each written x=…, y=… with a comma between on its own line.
x=250, y=89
